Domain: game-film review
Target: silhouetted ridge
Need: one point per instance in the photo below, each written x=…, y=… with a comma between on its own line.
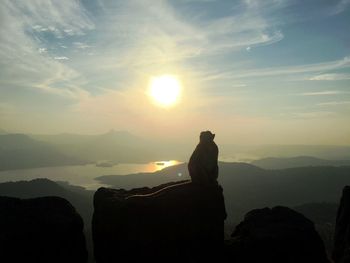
x=181, y=221
x=275, y=235
x=34, y=188
x=78, y=196
x=45, y=229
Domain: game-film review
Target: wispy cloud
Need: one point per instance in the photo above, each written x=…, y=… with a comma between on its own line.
x=331, y=76
x=168, y=36
x=334, y=103
x=340, y=7
x=42, y=50
x=61, y=58
x=25, y=59
x=321, y=93
x=81, y=45
x=314, y=114
x=59, y=17
x=279, y=71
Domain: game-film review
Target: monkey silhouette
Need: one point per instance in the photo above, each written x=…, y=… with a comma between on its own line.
x=203, y=164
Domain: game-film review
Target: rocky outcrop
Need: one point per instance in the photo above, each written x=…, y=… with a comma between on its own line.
x=45, y=229
x=172, y=222
x=275, y=235
x=341, y=251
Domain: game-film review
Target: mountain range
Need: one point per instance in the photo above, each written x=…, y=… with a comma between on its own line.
x=115, y=146
x=19, y=151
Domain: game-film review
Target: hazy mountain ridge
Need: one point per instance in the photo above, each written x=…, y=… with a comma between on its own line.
x=18, y=151
x=124, y=147
x=115, y=146
x=248, y=153
x=298, y=161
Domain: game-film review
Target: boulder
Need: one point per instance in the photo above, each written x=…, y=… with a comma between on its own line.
x=275, y=235
x=171, y=222
x=45, y=229
x=341, y=250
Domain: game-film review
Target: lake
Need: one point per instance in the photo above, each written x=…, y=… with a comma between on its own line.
x=82, y=175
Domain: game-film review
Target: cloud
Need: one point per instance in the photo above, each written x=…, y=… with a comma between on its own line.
x=168, y=36
x=42, y=50
x=314, y=114
x=81, y=45
x=237, y=32
x=258, y=4
x=321, y=93
x=334, y=103
x=61, y=58
x=58, y=17
x=279, y=71
x=132, y=40
x=340, y=7
x=25, y=56
x=331, y=76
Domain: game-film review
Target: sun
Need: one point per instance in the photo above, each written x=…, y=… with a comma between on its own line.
x=165, y=90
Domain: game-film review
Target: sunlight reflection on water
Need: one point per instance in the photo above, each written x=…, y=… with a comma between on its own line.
x=159, y=165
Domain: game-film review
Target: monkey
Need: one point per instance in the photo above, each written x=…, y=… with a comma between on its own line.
x=203, y=164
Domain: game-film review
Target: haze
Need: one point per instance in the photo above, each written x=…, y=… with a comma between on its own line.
x=254, y=72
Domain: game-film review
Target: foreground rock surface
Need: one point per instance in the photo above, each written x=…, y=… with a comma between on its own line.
x=172, y=222
x=275, y=235
x=341, y=252
x=45, y=229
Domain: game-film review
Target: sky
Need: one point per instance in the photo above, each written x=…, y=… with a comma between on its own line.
x=252, y=71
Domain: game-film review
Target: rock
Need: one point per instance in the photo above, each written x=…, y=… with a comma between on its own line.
x=275, y=235
x=171, y=222
x=341, y=251
x=45, y=229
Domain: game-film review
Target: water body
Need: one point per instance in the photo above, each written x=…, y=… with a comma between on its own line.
x=82, y=175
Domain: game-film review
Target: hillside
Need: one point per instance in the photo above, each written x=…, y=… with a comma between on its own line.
x=18, y=151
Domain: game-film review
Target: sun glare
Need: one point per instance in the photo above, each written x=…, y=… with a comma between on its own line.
x=165, y=90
